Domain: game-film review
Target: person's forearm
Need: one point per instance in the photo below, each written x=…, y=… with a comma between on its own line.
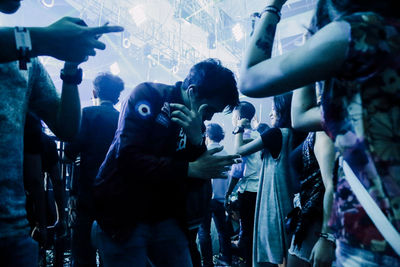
x=231, y=186
x=69, y=113
x=8, y=44
x=327, y=206
x=238, y=142
x=325, y=155
x=261, y=43
x=251, y=147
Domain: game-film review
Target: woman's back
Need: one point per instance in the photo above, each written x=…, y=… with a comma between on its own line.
x=361, y=109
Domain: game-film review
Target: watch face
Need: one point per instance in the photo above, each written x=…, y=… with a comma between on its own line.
x=237, y=130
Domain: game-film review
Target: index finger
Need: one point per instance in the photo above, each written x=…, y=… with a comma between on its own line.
x=181, y=107
x=105, y=29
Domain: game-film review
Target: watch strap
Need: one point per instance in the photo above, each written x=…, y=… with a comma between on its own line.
x=23, y=45
x=72, y=79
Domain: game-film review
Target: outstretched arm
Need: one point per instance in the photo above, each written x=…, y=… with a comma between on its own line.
x=318, y=59
x=251, y=147
x=68, y=39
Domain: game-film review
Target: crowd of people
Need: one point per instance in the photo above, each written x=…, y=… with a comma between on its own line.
x=320, y=187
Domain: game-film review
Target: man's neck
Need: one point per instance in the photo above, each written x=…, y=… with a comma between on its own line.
x=106, y=102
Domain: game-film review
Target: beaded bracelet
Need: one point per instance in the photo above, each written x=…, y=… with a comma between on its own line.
x=274, y=10
x=327, y=236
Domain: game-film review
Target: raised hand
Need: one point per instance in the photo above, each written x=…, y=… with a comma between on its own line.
x=70, y=39
x=190, y=120
x=209, y=166
x=244, y=123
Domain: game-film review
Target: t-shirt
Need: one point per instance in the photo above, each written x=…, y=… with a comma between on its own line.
x=361, y=110
x=19, y=90
x=252, y=167
x=219, y=186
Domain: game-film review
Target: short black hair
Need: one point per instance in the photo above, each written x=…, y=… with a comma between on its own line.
x=213, y=80
x=108, y=86
x=246, y=110
x=346, y=7
x=215, y=132
x=282, y=104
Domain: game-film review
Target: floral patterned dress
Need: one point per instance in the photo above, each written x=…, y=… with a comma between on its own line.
x=361, y=110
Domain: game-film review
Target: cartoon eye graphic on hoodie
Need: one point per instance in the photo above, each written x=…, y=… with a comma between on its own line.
x=143, y=108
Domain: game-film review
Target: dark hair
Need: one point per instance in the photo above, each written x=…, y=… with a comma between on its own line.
x=282, y=104
x=215, y=132
x=346, y=7
x=246, y=110
x=213, y=80
x=108, y=86
x=320, y=18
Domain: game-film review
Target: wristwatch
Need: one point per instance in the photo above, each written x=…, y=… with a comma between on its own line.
x=72, y=78
x=238, y=129
x=24, y=46
x=327, y=236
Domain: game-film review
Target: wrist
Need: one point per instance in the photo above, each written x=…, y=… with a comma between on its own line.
x=327, y=237
x=71, y=76
x=70, y=68
x=39, y=47
x=238, y=130
x=273, y=10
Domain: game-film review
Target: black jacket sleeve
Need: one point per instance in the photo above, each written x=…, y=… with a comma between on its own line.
x=136, y=153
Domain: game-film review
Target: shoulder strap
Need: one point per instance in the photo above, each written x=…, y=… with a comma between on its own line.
x=381, y=222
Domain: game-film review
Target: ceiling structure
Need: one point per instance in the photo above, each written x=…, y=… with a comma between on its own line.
x=172, y=35
x=164, y=38
x=179, y=33
x=176, y=34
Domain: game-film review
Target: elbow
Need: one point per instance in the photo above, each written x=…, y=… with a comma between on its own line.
x=298, y=125
x=246, y=86
x=253, y=86
x=295, y=123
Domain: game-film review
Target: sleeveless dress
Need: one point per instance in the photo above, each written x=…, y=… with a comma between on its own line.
x=274, y=202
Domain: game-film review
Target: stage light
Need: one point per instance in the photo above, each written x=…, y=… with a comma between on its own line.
x=175, y=69
x=114, y=68
x=126, y=43
x=237, y=31
x=138, y=14
x=48, y=3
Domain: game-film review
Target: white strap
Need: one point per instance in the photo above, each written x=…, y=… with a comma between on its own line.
x=372, y=209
